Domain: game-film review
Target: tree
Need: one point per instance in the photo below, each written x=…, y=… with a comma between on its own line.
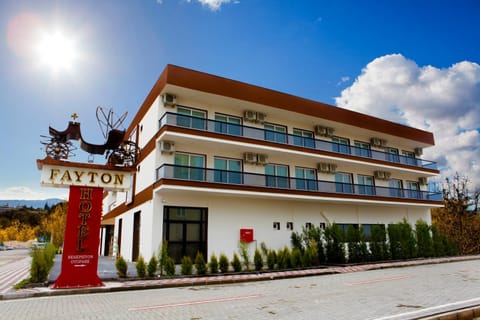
x=459, y=219
x=54, y=224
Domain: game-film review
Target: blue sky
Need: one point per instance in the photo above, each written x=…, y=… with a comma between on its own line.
x=414, y=62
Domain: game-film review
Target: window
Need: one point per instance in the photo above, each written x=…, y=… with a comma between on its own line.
x=341, y=145
x=228, y=124
x=344, y=227
x=228, y=170
x=343, y=182
x=392, y=154
x=303, y=138
x=189, y=166
x=276, y=175
x=366, y=185
x=305, y=178
x=395, y=188
x=191, y=118
x=275, y=133
x=409, y=157
x=362, y=149
x=413, y=189
x=185, y=229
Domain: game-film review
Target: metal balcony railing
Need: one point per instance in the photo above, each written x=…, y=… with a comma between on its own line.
x=231, y=129
x=237, y=178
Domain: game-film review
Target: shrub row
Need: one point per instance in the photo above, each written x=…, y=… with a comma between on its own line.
x=311, y=247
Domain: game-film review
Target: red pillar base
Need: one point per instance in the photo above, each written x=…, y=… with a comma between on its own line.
x=82, y=237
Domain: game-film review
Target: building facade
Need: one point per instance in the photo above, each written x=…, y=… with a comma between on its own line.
x=223, y=160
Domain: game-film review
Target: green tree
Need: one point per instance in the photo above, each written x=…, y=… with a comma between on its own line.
x=424, y=240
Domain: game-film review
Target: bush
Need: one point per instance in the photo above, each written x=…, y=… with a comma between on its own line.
x=223, y=263
x=122, y=267
x=357, y=247
x=296, y=258
x=141, y=267
x=424, y=240
x=213, y=264
x=200, y=264
x=258, y=260
x=245, y=254
x=152, y=267
x=163, y=256
x=39, y=267
x=50, y=252
x=186, y=267
x=236, y=264
x=378, y=244
x=335, y=246
x=169, y=266
x=271, y=259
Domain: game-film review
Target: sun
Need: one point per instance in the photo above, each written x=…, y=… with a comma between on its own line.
x=57, y=51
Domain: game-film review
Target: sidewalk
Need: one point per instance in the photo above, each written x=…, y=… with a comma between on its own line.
x=107, y=273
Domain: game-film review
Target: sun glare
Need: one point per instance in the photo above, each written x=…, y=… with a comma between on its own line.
x=57, y=51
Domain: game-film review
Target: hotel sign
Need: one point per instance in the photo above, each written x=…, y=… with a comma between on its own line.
x=65, y=176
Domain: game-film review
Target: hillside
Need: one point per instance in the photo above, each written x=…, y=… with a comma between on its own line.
x=37, y=204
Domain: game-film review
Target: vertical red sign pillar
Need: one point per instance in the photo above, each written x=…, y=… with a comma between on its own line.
x=82, y=237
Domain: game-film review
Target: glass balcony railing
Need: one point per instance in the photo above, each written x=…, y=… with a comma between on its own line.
x=231, y=129
x=237, y=178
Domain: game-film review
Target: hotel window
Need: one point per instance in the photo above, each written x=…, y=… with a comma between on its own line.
x=228, y=170
x=341, y=145
x=303, y=138
x=362, y=149
x=366, y=185
x=305, y=178
x=395, y=186
x=343, y=182
x=191, y=118
x=409, y=157
x=392, y=154
x=275, y=133
x=228, y=124
x=276, y=175
x=413, y=189
x=189, y=166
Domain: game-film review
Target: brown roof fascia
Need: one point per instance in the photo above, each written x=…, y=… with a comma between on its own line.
x=205, y=82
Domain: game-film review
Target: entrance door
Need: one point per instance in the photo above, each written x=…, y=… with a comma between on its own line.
x=185, y=230
x=136, y=236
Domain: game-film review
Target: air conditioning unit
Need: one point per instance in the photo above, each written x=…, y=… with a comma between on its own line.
x=382, y=175
x=262, y=159
x=250, y=116
x=333, y=168
x=324, y=131
x=418, y=152
x=422, y=181
x=379, y=175
x=377, y=142
x=169, y=100
x=323, y=167
x=261, y=117
x=250, y=157
x=167, y=146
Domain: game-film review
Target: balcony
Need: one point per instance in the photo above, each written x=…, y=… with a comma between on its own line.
x=237, y=179
x=230, y=129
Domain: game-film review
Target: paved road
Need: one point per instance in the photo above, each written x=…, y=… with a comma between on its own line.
x=14, y=267
x=387, y=294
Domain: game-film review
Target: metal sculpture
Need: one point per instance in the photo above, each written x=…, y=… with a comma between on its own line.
x=118, y=151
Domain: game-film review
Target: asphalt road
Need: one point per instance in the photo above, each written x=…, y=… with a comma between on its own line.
x=387, y=294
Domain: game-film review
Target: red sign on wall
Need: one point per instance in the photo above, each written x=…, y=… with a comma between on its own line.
x=82, y=236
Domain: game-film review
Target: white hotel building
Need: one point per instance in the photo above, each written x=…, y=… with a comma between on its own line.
x=219, y=156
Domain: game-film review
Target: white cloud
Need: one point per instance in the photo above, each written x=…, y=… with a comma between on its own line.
x=343, y=80
x=26, y=193
x=215, y=4
x=444, y=101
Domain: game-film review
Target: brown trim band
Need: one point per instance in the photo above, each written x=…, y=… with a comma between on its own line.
x=204, y=82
